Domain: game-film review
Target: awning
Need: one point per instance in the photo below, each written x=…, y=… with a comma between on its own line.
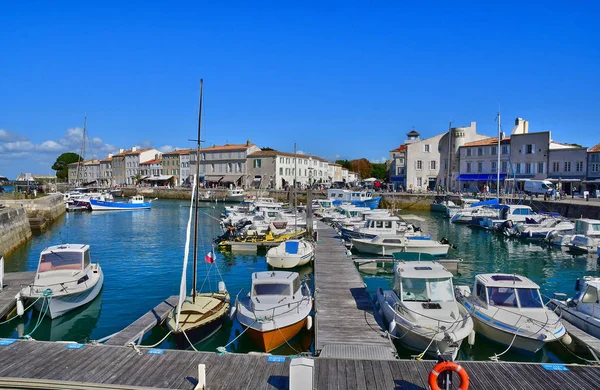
x=480, y=176
x=563, y=180
x=595, y=181
x=222, y=178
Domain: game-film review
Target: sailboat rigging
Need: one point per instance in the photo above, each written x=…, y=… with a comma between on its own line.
x=200, y=315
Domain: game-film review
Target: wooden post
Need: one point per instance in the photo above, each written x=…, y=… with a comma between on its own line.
x=1, y=272
x=201, y=385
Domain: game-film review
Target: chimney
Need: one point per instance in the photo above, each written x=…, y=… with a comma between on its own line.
x=248, y=143
x=525, y=126
x=121, y=150
x=133, y=148
x=110, y=155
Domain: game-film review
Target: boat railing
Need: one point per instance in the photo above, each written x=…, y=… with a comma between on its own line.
x=440, y=322
x=272, y=310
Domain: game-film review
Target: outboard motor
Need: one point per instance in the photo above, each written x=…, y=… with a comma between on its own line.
x=444, y=240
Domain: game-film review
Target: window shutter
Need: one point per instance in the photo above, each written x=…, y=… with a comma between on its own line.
x=533, y=148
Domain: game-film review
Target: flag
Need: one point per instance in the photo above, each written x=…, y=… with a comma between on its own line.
x=210, y=257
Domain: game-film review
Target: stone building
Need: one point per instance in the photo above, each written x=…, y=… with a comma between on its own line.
x=224, y=165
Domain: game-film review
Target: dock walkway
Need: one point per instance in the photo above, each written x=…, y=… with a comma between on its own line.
x=13, y=282
x=344, y=323
x=30, y=363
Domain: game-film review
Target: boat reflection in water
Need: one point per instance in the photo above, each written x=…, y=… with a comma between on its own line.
x=76, y=325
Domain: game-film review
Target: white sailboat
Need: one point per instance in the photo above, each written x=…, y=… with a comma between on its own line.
x=199, y=315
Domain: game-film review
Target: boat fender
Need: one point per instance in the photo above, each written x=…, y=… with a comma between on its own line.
x=20, y=308
x=566, y=339
x=309, y=323
x=222, y=287
x=471, y=339
x=448, y=366
x=392, y=328
x=232, y=312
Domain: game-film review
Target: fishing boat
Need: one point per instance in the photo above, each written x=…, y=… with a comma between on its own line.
x=508, y=309
x=290, y=254
x=135, y=203
x=276, y=309
x=386, y=245
x=357, y=198
x=199, y=315
x=65, y=279
x=582, y=310
x=235, y=195
x=421, y=310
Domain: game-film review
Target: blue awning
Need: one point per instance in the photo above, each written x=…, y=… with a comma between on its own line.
x=480, y=176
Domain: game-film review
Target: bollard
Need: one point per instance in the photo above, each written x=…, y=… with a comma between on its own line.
x=201, y=385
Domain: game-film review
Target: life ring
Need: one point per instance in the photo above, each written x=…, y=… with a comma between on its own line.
x=448, y=366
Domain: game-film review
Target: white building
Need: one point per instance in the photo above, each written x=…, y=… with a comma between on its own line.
x=274, y=169
x=224, y=165
x=134, y=158
x=422, y=161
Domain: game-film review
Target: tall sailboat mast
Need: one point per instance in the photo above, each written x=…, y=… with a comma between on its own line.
x=82, y=151
x=196, y=200
x=498, y=166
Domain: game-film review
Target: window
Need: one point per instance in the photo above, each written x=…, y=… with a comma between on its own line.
x=480, y=151
x=419, y=164
x=517, y=168
x=401, y=161
x=504, y=166
x=590, y=296
x=579, y=166
x=432, y=164
x=419, y=182
x=530, y=298
x=529, y=149
x=468, y=151
x=567, y=166
x=595, y=167
x=281, y=160
x=424, y=290
x=504, y=149
x=257, y=163
x=555, y=166
x=480, y=167
x=281, y=171
x=427, y=148
x=494, y=167
x=540, y=168
x=480, y=292
x=502, y=296
x=528, y=168
x=60, y=261
x=468, y=167
x=272, y=289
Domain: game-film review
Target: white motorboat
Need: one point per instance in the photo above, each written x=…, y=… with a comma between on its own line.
x=516, y=213
x=290, y=254
x=584, y=238
x=379, y=224
x=582, y=310
x=509, y=309
x=235, y=195
x=386, y=245
x=539, y=231
x=478, y=210
x=276, y=309
x=422, y=311
x=65, y=279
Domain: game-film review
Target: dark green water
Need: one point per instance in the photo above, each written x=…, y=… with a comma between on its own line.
x=141, y=255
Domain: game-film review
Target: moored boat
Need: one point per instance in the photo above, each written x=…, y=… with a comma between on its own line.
x=582, y=310
x=135, y=203
x=290, y=254
x=276, y=309
x=386, y=245
x=65, y=279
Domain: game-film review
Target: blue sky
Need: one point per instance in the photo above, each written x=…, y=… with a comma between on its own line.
x=341, y=79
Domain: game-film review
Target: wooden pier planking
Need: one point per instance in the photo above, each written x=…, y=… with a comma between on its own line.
x=13, y=282
x=344, y=323
x=137, y=329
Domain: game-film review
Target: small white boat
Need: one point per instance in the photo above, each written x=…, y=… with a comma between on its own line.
x=583, y=310
x=235, y=195
x=539, y=231
x=135, y=203
x=386, y=245
x=379, y=224
x=65, y=279
x=276, y=309
x=509, y=309
x=516, y=213
x=584, y=238
x=290, y=254
x=422, y=311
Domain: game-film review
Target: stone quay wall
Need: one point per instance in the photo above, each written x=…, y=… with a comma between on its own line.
x=41, y=211
x=14, y=229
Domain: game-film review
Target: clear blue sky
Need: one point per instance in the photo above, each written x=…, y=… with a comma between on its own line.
x=341, y=79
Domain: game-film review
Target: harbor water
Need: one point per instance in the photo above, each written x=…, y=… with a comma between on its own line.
x=141, y=254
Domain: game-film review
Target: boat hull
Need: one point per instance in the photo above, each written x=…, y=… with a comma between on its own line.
x=583, y=321
x=272, y=339
x=197, y=335
x=99, y=205
x=388, y=250
x=372, y=203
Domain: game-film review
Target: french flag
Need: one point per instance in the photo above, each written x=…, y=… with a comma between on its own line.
x=210, y=257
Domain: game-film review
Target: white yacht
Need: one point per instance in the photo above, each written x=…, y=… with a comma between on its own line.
x=584, y=238
x=422, y=311
x=235, y=195
x=276, y=309
x=509, y=309
x=380, y=224
x=65, y=279
x=386, y=245
x=290, y=254
x=516, y=213
x=486, y=209
x=583, y=310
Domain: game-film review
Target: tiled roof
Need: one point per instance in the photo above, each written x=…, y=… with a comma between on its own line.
x=138, y=151
x=178, y=152
x=594, y=148
x=151, y=162
x=225, y=147
x=400, y=148
x=275, y=153
x=86, y=162
x=491, y=141
x=106, y=159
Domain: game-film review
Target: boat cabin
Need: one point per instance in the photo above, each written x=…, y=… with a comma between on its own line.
x=236, y=192
x=71, y=258
x=507, y=290
x=423, y=281
x=587, y=300
x=137, y=199
x=275, y=287
x=348, y=195
x=518, y=212
x=587, y=227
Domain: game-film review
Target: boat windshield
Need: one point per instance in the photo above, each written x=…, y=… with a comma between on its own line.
x=530, y=298
x=272, y=289
x=502, y=296
x=423, y=290
x=60, y=261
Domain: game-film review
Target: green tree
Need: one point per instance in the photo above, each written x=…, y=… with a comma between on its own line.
x=379, y=171
x=61, y=165
x=345, y=164
x=266, y=148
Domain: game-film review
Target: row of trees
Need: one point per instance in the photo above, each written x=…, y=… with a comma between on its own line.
x=365, y=168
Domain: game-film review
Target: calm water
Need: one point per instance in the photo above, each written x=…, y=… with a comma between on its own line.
x=141, y=255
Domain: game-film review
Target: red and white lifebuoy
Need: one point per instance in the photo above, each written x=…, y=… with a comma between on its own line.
x=448, y=366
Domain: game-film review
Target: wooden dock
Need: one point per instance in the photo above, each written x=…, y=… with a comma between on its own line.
x=13, y=283
x=52, y=365
x=344, y=323
x=136, y=330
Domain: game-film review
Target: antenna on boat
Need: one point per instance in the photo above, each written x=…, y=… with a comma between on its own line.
x=197, y=186
x=295, y=194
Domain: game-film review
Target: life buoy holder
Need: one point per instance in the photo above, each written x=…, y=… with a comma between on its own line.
x=448, y=366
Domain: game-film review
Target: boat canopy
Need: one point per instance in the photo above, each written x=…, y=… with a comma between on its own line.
x=491, y=202
x=291, y=247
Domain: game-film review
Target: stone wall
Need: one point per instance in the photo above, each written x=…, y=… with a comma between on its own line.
x=14, y=230
x=41, y=211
